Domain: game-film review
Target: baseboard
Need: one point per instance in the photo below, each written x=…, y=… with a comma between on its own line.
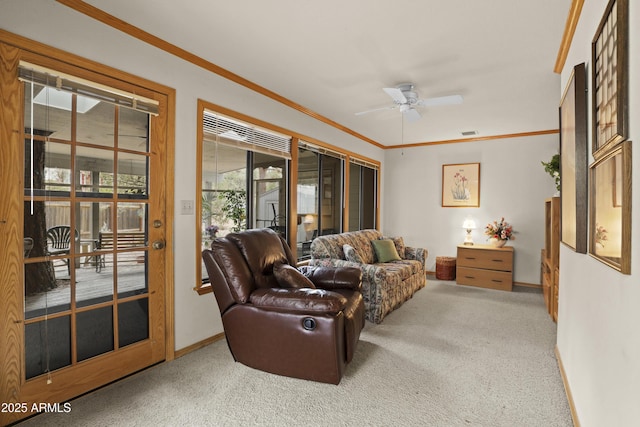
x=200, y=344
x=567, y=389
x=528, y=285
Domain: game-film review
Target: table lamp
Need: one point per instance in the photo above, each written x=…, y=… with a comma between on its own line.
x=469, y=225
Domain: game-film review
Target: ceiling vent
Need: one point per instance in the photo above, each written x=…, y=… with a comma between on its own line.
x=469, y=133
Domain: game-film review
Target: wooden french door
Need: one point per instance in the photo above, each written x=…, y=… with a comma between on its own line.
x=82, y=231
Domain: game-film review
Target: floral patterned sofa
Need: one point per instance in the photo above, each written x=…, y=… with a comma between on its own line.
x=385, y=286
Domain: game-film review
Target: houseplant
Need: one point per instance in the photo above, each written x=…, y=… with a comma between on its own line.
x=499, y=232
x=552, y=167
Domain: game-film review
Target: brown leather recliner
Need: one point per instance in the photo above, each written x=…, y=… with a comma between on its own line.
x=299, y=323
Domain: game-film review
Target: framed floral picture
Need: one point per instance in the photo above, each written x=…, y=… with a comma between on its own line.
x=461, y=185
x=610, y=208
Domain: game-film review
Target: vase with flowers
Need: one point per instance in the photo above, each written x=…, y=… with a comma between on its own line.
x=499, y=232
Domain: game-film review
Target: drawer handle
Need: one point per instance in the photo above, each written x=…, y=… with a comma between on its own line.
x=469, y=277
x=468, y=257
x=497, y=281
x=497, y=260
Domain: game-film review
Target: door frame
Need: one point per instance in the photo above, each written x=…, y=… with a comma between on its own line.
x=14, y=48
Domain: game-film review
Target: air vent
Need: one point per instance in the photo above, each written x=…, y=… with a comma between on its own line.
x=469, y=133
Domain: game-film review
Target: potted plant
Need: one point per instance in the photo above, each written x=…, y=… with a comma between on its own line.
x=552, y=167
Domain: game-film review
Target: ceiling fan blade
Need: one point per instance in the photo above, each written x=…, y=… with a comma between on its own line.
x=411, y=114
x=442, y=100
x=396, y=94
x=375, y=109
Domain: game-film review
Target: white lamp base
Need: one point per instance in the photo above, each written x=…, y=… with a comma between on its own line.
x=468, y=240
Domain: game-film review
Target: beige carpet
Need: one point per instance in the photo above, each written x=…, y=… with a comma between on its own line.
x=451, y=356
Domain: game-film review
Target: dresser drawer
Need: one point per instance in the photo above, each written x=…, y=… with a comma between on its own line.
x=491, y=259
x=501, y=280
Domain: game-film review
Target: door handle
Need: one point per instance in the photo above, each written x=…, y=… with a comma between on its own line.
x=158, y=244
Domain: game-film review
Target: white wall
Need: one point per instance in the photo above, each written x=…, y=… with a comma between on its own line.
x=513, y=185
x=196, y=317
x=599, y=308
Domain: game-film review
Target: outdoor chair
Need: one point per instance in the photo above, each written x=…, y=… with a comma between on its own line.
x=59, y=242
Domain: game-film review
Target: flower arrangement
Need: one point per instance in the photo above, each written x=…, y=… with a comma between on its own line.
x=601, y=235
x=212, y=231
x=499, y=230
x=552, y=167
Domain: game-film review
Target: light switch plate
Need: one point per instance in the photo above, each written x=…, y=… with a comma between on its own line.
x=186, y=207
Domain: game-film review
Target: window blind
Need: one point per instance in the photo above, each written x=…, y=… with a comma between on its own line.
x=321, y=150
x=50, y=78
x=243, y=135
x=364, y=163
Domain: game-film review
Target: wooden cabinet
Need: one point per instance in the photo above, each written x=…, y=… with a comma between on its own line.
x=485, y=266
x=550, y=263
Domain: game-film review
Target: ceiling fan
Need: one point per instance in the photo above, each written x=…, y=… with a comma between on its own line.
x=406, y=99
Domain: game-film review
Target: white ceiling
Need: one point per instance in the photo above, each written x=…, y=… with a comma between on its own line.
x=335, y=56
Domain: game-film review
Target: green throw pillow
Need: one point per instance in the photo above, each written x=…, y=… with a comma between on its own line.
x=385, y=250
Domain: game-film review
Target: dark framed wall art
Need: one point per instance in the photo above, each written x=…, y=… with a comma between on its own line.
x=609, y=78
x=573, y=161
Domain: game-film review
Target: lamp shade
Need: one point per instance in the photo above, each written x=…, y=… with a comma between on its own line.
x=469, y=224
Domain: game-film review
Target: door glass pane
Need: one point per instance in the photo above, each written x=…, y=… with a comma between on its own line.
x=269, y=193
x=51, y=112
x=47, y=166
x=92, y=218
x=133, y=321
x=132, y=175
x=39, y=218
x=132, y=224
x=47, y=345
x=92, y=287
x=132, y=273
x=94, y=169
x=94, y=332
x=47, y=289
x=95, y=122
x=133, y=130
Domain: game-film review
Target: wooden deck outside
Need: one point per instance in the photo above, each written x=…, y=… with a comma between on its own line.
x=91, y=286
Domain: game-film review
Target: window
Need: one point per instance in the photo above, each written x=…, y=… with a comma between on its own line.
x=363, y=195
x=243, y=179
x=320, y=196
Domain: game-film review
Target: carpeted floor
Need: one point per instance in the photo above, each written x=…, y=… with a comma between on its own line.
x=451, y=356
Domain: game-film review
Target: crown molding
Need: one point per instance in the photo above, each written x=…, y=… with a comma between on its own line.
x=476, y=139
x=567, y=37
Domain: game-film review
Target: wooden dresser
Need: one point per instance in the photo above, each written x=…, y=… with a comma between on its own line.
x=485, y=266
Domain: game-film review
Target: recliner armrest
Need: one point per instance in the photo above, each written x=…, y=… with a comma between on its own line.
x=298, y=300
x=334, y=277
